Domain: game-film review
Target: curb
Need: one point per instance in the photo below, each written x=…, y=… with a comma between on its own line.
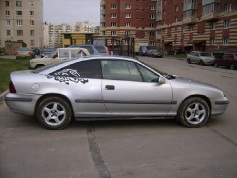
x=2, y=95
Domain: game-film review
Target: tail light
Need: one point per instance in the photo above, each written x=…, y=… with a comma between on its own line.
x=16, y=53
x=12, y=88
x=29, y=53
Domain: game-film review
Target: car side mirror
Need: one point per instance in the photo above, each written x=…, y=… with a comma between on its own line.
x=161, y=80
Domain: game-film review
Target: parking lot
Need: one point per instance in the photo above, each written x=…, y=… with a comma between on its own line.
x=128, y=148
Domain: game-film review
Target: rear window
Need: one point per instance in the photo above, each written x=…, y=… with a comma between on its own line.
x=101, y=49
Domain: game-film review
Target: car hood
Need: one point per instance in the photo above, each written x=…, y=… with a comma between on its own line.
x=179, y=81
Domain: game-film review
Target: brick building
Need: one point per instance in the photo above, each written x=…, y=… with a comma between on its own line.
x=209, y=25
x=129, y=19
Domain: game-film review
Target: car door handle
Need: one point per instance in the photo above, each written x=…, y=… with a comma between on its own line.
x=109, y=87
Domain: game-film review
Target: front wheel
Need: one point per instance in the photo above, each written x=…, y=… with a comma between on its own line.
x=54, y=113
x=188, y=61
x=194, y=112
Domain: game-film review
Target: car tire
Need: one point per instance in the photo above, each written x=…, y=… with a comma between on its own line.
x=201, y=62
x=216, y=65
x=194, y=112
x=188, y=61
x=232, y=67
x=54, y=113
x=38, y=66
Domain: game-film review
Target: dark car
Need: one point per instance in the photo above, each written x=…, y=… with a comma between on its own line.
x=143, y=50
x=47, y=51
x=228, y=60
x=93, y=49
x=154, y=53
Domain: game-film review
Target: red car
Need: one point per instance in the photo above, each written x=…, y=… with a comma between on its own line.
x=228, y=60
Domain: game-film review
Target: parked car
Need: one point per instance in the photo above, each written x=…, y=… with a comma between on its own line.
x=199, y=57
x=24, y=52
x=93, y=49
x=110, y=87
x=143, y=50
x=154, y=53
x=58, y=55
x=228, y=60
x=47, y=51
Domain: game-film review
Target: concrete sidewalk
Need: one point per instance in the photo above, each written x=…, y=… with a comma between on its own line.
x=8, y=57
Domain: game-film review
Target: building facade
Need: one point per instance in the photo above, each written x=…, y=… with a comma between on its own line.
x=21, y=21
x=207, y=25
x=128, y=19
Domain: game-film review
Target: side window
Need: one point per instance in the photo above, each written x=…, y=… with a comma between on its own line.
x=120, y=70
x=84, y=69
x=148, y=76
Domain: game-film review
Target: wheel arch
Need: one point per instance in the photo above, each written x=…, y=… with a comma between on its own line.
x=200, y=96
x=52, y=95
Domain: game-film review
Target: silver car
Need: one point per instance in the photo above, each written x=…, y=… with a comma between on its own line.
x=199, y=57
x=110, y=87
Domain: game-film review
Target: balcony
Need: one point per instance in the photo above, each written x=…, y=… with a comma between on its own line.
x=210, y=16
x=205, y=2
x=189, y=20
x=189, y=6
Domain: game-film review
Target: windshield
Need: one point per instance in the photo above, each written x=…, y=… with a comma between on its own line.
x=206, y=54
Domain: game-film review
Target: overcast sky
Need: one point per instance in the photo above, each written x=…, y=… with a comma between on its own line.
x=71, y=11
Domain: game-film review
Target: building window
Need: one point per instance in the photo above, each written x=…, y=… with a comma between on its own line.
x=191, y=27
x=176, y=19
x=127, y=33
x=7, y=13
x=183, y=30
x=127, y=6
x=113, y=15
x=32, y=22
x=32, y=42
x=113, y=33
x=227, y=7
x=227, y=24
x=152, y=25
x=212, y=41
x=113, y=6
x=113, y=24
x=31, y=4
x=177, y=8
x=32, y=32
x=153, y=7
x=8, y=32
x=213, y=25
x=152, y=34
x=7, y=4
x=19, y=22
x=158, y=32
x=151, y=43
x=127, y=24
x=19, y=32
x=164, y=12
x=31, y=13
x=213, y=7
x=152, y=16
x=19, y=13
x=225, y=41
x=8, y=22
x=18, y=4
x=127, y=15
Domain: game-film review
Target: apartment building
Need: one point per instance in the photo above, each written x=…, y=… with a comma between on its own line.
x=168, y=25
x=22, y=21
x=129, y=19
x=209, y=25
x=53, y=33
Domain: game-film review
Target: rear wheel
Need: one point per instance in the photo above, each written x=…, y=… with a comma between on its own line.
x=54, y=113
x=194, y=112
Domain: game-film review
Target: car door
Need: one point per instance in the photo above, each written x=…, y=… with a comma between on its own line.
x=128, y=93
x=82, y=82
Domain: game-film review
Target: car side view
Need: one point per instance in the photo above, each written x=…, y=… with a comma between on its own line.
x=201, y=58
x=228, y=60
x=110, y=87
